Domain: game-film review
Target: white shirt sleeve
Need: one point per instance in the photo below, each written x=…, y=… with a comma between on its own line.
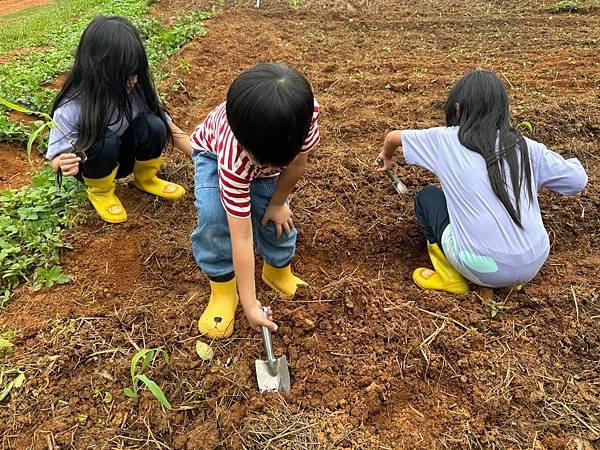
x=66, y=134
x=422, y=147
x=552, y=171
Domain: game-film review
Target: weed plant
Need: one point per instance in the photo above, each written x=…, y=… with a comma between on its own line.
x=146, y=356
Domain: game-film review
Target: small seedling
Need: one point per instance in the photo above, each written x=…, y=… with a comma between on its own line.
x=526, y=124
x=46, y=278
x=146, y=356
x=16, y=377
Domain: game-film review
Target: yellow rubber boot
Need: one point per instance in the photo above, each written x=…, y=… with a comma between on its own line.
x=282, y=280
x=101, y=192
x=218, y=318
x=444, y=277
x=147, y=181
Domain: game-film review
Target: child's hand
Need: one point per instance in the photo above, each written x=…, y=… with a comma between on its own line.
x=383, y=162
x=68, y=164
x=257, y=319
x=281, y=216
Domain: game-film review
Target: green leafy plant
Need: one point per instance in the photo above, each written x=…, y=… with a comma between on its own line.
x=139, y=363
x=40, y=125
x=566, y=6
x=31, y=220
x=10, y=131
x=46, y=278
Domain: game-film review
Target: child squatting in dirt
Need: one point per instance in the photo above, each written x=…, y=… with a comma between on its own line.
x=111, y=122
x=249, y=153
x=485, y=224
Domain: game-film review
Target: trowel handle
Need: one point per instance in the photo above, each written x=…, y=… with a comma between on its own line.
x=266, y=334
x=388, y=172
x=398, y=185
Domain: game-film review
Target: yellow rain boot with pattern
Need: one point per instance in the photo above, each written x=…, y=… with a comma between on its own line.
x=146, y=180
x=444, y=277
x=282, y=280
x=101, y=193
x=218, y=318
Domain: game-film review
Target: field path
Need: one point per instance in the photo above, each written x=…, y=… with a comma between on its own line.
x=10, y=6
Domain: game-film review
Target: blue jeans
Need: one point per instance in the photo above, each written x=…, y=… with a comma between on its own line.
x=211, y=242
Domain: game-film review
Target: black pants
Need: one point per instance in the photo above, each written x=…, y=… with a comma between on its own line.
x=143, y=140
x=432, y=213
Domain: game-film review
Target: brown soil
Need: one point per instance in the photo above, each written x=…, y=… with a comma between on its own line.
x=375, y=361
x=15, y=169
x=10, y=6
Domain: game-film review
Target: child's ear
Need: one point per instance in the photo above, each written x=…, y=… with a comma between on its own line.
x=456, y=111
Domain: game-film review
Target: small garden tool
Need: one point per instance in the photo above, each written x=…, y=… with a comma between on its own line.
x=272, y=374
x=398, y=185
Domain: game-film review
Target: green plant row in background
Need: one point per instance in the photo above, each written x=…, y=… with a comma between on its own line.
x=39, y=45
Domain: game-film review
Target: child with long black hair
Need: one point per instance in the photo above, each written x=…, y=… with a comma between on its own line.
x=249, y=153
x=111, y=121
x=485, y=223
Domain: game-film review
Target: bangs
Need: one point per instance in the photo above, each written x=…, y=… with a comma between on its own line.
x=134, y=60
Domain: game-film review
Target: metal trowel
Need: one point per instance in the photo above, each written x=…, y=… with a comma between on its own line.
x=398, y=185
x=272, y=374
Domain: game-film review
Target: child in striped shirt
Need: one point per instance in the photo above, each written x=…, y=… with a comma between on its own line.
x=249, y=153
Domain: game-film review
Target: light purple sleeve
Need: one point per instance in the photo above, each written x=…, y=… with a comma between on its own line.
x=552, y=171
x=61, y=139
x=422, y=147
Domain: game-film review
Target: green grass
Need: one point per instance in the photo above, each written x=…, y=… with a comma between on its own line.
x=40, y=44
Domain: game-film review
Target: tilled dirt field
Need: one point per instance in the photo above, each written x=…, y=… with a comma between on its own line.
x=375, y=361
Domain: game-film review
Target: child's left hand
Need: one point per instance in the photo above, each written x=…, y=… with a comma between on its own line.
x=281, y=216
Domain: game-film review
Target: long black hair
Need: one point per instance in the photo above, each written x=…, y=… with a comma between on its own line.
x=109, y=52
x=478, y=105
x=269, y=109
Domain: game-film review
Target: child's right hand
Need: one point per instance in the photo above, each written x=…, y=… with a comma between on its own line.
x=68, y=164
x=257, y=318
x=383, y=162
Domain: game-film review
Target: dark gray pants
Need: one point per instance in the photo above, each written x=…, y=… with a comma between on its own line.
x=143, y=140
x=432, y=213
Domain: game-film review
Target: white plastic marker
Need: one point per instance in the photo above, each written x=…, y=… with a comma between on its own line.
x=257, y=4
x=398, y=185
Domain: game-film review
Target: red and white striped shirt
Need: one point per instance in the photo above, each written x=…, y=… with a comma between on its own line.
x=236, y=171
